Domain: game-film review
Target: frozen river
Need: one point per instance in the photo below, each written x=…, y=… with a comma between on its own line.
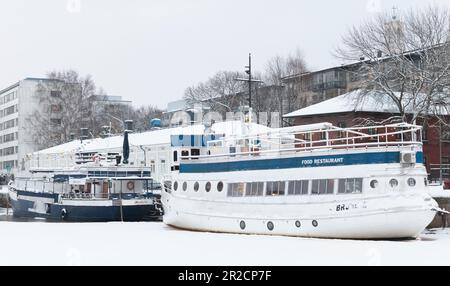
x=153, y=243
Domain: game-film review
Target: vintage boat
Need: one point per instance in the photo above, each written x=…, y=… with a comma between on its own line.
x=311, y=181
x=87, y=194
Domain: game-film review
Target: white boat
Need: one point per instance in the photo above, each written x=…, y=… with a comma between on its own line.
x=310, y=181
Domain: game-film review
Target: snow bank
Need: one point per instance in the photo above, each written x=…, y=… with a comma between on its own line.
x=150, y=243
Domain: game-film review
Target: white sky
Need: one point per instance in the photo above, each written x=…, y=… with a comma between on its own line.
x=149, y=51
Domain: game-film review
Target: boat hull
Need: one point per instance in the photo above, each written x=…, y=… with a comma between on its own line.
x=385, y=217
x=79, y=211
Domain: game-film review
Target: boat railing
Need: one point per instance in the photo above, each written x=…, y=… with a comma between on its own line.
x=292, y=140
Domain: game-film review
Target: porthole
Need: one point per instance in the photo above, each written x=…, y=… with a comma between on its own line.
x=219, y=186
x=242, y=224
x=184, y=186
x=270, y=226
x=175, y=186
x=374, y=184
x=208, y=187
x=411, y=182
x=393, y=183
x=196, y=186
x=298, y=224
x=315, y=223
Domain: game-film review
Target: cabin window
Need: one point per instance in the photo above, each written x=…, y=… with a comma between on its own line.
x=208, y=187
x=184, y=186
x=219, y=186
x=175, y=156
x=184, y=153
x=236, y=189
x=393, y=183
x=175, y=186
x=298, y=187
x=195, y=152
x=275, y=188
x=374, y=184
x=196, y=186
x=322, y=187
x=255, y=189
x=411, y=182
x=351, y=186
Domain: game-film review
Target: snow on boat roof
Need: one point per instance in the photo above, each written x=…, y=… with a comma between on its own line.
x=354, y=101
x=154, y=137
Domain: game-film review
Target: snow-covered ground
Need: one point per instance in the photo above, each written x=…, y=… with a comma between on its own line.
x=153, y=243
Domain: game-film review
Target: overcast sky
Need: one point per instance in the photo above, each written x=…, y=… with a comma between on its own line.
x=149, y=51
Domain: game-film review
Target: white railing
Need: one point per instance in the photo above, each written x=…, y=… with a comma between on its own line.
x=289, y=140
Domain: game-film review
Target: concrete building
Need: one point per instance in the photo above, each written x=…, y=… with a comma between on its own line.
x=18, y=103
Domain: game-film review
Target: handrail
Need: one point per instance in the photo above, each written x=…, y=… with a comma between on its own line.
x=407, y=136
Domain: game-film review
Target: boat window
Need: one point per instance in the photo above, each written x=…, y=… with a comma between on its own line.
x=219, y=186
x=175, y=185
x=175, y=156
x=298, y=187
x=351, y=186
x=393, y=183
x=196, y=186
x=254, y=189
x=374, y=184
x=411, y=182
x=275, y=188
x=236, y=189
x=208, y=187
x=322, y=187
x=195, y=152
x=184, y=153
x=184, y=186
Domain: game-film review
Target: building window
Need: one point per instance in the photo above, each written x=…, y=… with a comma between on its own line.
x=341, y=134
x=55, y=93
x=55, y=122
x=351, y=186
x=322, y=187
x=275, y=188
x=56, y=107
x=298, y=187
x=446, y=167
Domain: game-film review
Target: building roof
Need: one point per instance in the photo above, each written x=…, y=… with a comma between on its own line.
x=356, y=102
x=154, y=137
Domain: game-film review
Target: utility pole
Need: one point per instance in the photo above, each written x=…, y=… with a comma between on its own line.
x=250, y=80
x=249, y=72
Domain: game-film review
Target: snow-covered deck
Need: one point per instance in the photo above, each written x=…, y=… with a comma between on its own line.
x=153, y=243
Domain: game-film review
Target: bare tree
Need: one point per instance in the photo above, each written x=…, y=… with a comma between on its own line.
x=404, y=61
x=64, y=107
x=221, y=92
x=285, y=97
x=142, y=116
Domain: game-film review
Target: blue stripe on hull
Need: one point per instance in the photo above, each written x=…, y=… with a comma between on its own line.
x=296, y=162
x=21, y=208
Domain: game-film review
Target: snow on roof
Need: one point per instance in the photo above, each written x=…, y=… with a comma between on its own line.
x=354, y=101
x=154, y=137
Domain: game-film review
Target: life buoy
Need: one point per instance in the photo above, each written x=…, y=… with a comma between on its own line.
x=95, y=158
x=64, y=214
x=130, y=185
